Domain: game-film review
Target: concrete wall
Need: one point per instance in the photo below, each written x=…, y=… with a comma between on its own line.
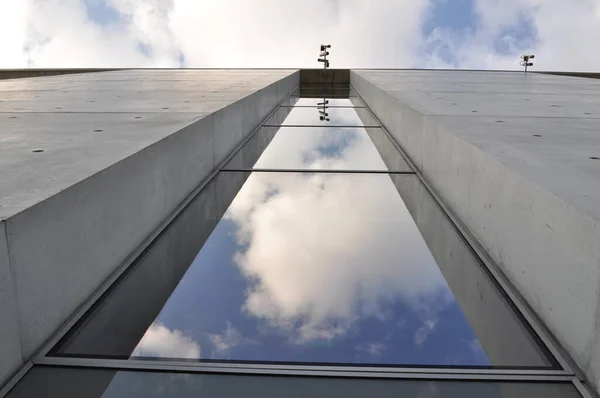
x=513, y=155
x=35, y=72
x=120, y=151
x=141, y=294
x=499, y=329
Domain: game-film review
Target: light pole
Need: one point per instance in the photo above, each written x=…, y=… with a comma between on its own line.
x=525, y=61
x=324, y=53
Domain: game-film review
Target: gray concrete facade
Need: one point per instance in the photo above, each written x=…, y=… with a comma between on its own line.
x=90, y=164
x=516, y=157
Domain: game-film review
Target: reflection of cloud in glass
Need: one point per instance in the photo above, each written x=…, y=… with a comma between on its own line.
x=320, y=148
x=372, y=348
x=229, y=339
x=424, y=331
x=323, y=251
x=160, y=341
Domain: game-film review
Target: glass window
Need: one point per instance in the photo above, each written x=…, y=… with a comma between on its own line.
x=96, y=383
x=315, y=268
x=331, y=102
x=315, y=148
x=316, y=92
x=308, y=116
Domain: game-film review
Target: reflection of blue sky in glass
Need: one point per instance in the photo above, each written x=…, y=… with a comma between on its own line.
x=315, y=268
x=310, y=116
x=336, y=148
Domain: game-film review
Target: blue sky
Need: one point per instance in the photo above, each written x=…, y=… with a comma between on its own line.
x=483, y=34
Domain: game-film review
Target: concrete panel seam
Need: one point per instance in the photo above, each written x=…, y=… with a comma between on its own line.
x=14, y=284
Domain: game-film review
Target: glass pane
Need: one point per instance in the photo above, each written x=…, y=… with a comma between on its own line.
x=316, y=92
x=101, y=383
x=316, y=148
x=332, y=101
x=320, y=268
x=309, y=117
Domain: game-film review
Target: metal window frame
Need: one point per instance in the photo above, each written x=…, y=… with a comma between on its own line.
x=569, y=372
x=295, y=370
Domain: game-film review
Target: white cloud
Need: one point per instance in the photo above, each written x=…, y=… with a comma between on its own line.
x=314, y=280
x=286, y=33
x=229, y=339
x=565, y=34
x=423, y=333
x=160, y=341
x=213, y=33
x=372, y=348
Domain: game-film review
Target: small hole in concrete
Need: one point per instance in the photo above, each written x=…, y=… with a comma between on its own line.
x=499, y=121
x=90, y=101
x=454, y=103
x=37, y=150
x=58, y=107
x=13, y=117
x=137, y=117
x=474, y=111
x=586, y=113
x=594, y=157
x=537, y=135
x=98, y=130
x=527, y=99
x=165, y=108
x=555, y=106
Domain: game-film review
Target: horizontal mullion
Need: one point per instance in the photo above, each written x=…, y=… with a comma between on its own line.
x=320, y=125
x=316, y=171
x=307, y=370
x=321, y=107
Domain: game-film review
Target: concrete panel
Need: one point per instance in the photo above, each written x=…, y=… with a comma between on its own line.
x=106, y=179
x=547, y=247
x=523, y=178
x=407, y=122
x=62, y=248
x=10, y=344
x=34, y=72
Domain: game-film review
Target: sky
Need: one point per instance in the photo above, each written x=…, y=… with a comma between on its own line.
x=467, y=34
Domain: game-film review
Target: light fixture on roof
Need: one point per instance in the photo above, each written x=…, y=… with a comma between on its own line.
x=525, y=61
x=323, y=55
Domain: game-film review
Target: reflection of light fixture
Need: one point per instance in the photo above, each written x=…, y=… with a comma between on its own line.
x=525, y=61
x=322, y=107
x=324, y=53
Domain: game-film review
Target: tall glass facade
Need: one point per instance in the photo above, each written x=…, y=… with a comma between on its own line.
x=315, y=251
